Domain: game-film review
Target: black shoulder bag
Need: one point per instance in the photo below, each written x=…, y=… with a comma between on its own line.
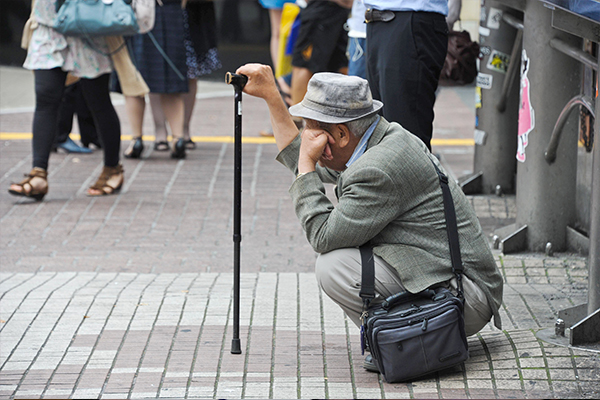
x=411, y=335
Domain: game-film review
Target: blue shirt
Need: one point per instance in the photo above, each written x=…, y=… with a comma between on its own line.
x=362, y=145
x=356, y=22
x=438, y=6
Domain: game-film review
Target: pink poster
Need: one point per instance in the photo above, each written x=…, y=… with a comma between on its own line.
x=526, y=112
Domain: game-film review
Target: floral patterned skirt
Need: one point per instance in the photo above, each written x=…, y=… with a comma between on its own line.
x=200, y=39
x=50, y=49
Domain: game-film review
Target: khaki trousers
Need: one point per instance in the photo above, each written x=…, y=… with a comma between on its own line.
x=339, y=276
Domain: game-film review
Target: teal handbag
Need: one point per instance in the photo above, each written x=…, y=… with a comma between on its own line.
x=92, y=18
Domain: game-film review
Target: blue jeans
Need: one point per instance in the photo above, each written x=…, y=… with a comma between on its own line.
x=357, y=62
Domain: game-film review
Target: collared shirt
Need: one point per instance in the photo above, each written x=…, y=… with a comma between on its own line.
x=356, y=22
x=438, y=6
x=362, y=145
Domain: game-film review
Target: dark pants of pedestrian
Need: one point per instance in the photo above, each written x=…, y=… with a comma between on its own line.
x=73, y=103
x=404, y=59
x=49, y=89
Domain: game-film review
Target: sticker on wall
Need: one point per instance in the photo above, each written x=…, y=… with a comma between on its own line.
x=484, y=51
x=482, y=14
x=484, y=31
x=498, y=61
x=494, y=18
x=477, y=97
x=484, y=81
x=480, y=137
x=526, y=112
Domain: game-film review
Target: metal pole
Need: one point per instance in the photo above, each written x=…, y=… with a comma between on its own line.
x=238, y=82
x=549, y=79
x=594, y=254
x=497, y=100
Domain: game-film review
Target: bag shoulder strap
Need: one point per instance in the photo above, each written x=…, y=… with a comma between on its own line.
x=451, y=229
x=367, y=289
x=165, y=56
x=367, y=285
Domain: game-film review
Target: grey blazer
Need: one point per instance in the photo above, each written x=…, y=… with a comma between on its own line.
x=391, y=197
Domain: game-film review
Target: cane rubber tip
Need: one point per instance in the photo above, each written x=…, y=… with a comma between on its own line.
x=236, y=346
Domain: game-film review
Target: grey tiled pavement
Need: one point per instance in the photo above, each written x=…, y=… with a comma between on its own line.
x=129, y=296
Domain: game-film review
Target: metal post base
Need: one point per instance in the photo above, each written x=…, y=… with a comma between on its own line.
x=587, y=330
x=577, y=242
x=583, y=332
x=472, y=184
x=549, y=335
x=511, y=239
x=574, y=314
x=584, y=328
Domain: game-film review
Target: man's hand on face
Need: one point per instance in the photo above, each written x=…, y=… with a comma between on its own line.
x=315, y=147
x=261, y=82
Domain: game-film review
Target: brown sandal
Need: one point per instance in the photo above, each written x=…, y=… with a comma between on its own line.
x=26, y=189
x=110, y=181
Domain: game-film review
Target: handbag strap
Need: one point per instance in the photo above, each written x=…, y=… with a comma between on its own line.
x=367, y=289
x=367, y=285
x=165, y=56
x=451, y=229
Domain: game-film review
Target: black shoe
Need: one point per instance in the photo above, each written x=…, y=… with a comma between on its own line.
x=86, y=142
x=178, y=149
x=190, y=145
x=135, y=149
x=369, y=365
x=161, y=146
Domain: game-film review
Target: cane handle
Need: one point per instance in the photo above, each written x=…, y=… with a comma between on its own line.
x=237, y=80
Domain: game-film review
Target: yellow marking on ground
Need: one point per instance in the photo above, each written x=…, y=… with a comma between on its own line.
x=16, y=136
x=452, y=142
x=228, y=139
x=199, y=139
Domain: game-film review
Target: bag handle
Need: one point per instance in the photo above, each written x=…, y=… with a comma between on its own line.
x=367, y=289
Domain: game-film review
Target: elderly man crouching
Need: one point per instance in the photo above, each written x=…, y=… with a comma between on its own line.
x=388, y=195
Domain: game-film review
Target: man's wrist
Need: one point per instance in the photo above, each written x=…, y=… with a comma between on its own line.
x=305, y=166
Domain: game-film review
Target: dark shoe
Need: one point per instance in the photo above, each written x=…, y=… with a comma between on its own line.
x=95, y=143
x=71, y=147
x=135, y=149
x=161, y=146
x=25, y=187
x=178, y=149
x=190, y=145
x=369, y=365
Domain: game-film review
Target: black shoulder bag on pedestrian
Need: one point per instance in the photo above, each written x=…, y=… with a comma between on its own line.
x=411, y=335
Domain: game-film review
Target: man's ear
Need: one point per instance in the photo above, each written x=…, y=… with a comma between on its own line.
x=345, y=135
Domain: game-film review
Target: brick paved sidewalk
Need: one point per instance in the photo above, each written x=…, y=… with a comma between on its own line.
x=129, y=296
x=143, y=335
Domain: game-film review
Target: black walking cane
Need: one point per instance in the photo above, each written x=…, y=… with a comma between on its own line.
x=238, y=82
